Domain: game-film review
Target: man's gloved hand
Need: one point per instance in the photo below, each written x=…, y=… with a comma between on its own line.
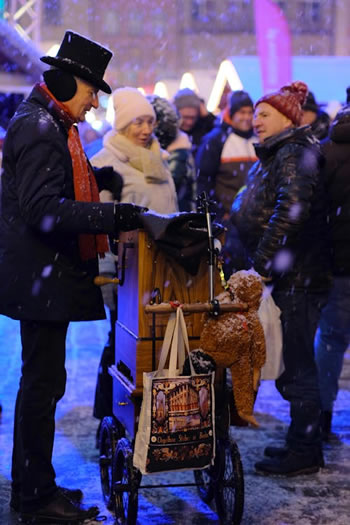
x=108, y=179
x=127, y=216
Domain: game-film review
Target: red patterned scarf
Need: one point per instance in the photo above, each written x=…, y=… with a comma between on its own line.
x=85, y=186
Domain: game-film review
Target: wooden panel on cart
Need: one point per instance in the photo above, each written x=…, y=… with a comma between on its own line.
x=148, y=268
x=126, y=402
x=134, y=356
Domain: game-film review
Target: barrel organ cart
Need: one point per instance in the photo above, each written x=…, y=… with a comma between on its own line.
x=150, y=280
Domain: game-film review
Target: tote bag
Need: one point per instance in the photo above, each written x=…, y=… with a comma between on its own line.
x=176, y=426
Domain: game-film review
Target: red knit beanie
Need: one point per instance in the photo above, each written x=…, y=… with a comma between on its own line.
x=288, y=100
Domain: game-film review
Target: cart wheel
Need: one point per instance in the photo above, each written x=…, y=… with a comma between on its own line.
x=229, y=490
x=205, y=484
x=126, y=481
x=110, y=432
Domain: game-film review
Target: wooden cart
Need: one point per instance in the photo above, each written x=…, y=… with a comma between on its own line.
x=149, y=277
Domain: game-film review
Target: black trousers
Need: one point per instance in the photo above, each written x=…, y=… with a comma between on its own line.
x=42, y=385
x=298, y=384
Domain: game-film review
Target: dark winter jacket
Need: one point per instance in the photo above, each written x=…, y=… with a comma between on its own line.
x=337, y=176
x=181, y=165
x=223, y=161
x=320, y=127
x=281, y=214
x=201, y=128
x=41, y=273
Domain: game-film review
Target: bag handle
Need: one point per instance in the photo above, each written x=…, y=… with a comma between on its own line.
x=168, y=337
x=175, y=342
x=179, y=345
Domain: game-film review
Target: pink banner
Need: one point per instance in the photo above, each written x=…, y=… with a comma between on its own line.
x=274, y=45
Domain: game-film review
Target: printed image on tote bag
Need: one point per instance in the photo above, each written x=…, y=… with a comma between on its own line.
x=181, y=423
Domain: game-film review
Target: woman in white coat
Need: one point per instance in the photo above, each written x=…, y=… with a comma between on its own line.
x=134, y=152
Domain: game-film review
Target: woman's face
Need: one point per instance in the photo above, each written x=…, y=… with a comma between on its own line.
x=140, y=130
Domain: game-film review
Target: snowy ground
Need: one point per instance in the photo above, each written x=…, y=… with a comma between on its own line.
x=323, y=498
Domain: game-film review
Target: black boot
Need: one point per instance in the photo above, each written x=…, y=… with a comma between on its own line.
x=280, y=452
x=275, y=452
x=291, y=464
x=59, y=510
x=74, y=495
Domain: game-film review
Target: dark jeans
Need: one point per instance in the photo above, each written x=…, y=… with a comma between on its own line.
x=298, y=384
x=42, y=385
x=332, y=340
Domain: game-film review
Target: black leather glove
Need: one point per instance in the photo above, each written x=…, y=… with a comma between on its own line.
x=127, y=216
x=108, y=179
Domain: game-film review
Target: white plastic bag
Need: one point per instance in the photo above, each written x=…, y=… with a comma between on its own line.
x=269, y=315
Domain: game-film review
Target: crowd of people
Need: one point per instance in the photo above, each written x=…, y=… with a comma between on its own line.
x=277, y=171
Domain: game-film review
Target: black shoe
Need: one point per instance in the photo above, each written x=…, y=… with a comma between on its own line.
x=275, y=452
x=60, y=510
x=280, y=452
x=74, y=495
x=290, y=464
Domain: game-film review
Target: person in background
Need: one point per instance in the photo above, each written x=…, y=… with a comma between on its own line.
x=52, y=231
x=92, y=139
x=196, y=120
x=281, y=219
x=223, y=160
x=131, y=148
x=177, y=146
x=314, y=116
x=333, y=334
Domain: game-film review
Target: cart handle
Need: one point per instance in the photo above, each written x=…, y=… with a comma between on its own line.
x=101, y=280
x=165, y=308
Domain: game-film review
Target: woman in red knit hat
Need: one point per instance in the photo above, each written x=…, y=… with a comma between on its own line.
x=281, y=219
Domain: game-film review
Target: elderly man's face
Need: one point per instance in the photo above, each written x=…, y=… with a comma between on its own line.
x=268, y=121
x=189, y=117
x=84, y=99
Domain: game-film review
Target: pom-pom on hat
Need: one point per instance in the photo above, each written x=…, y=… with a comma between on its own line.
x=129, y=103
x=238, y=100
x=288, y=100
x=82, y=57
x=186, y=98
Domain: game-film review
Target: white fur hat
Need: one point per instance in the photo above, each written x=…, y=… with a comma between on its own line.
x=129, y=103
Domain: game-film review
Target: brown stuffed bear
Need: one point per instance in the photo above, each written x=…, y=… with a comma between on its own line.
x=236, y=340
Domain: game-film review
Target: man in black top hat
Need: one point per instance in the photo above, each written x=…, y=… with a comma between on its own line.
x=52, y=231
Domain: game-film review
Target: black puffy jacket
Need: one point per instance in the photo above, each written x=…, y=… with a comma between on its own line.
x=337, y=176
x=281, y=214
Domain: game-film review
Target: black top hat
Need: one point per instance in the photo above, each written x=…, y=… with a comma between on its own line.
x=84, y=58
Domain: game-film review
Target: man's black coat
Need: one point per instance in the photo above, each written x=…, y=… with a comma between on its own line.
x=41, y=273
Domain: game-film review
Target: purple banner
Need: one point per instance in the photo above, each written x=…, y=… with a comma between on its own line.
x=274, y=45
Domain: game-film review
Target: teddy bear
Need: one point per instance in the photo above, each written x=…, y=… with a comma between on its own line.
x=236, y=340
